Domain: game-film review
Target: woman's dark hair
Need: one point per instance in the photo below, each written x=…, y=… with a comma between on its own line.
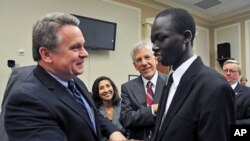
x=95, y=90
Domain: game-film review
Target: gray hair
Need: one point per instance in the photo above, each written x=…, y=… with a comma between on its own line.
x=140, y=45
x=243, y=78
x=45, y=30
x=230, y=61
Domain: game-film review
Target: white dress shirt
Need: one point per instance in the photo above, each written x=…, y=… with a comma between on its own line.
x=177, y=74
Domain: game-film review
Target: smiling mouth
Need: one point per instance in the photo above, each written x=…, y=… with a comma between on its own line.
x=146, y=69
x=79, y=63
x=106, y=94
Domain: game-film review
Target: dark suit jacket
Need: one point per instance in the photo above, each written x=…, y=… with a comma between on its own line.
x=202, y=108
x=16, y=78
x=43, y=109
x=136, y=117
x=242, y=104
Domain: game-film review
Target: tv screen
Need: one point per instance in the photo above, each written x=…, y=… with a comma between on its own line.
x=98, y=34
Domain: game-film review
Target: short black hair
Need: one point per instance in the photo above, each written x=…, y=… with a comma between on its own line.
x=182, y=20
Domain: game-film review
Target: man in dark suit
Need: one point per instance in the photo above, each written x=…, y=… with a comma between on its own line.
x=232, y=72
x=197, y=103
x=51, y=103
x=137, y=112
x=16, y=78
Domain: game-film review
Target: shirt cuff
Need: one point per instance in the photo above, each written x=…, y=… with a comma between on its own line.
x=152, y=111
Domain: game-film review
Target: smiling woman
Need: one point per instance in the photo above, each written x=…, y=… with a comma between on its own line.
x=107, y=99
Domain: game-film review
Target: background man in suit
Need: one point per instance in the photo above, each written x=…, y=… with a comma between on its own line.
x=232, y=72
x=16, y=78
x=44, y=107
x=197, y=103
x=137, y=116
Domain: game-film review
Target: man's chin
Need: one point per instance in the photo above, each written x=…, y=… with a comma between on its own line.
x=79, y=72
x=165, y=63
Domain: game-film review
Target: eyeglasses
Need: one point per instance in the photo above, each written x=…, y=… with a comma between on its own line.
x=230, y=71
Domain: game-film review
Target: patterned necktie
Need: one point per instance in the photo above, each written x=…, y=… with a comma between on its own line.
x=82, y=101
x=150, y=93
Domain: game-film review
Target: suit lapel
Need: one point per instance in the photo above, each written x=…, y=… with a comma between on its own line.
x=160, y=112
x=182, y=91
x=179, y=97
x=238, y=90
x=84, y=91
x=68, y=100
x=61, y=93
x=159, y=88
x=140, y=93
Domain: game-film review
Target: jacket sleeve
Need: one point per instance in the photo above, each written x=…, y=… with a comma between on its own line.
x=133, y=113
x=28, y=118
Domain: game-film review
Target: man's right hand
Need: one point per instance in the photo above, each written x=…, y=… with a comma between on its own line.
x=155, y=107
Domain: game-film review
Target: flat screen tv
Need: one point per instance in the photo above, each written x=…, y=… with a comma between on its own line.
x=98, y=34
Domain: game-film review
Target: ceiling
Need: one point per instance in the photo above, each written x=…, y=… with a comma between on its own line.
x=211, y=9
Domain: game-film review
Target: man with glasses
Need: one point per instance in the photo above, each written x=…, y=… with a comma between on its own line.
x=232, y=72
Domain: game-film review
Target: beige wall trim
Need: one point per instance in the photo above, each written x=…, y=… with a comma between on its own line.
x=149, y=3
x=192, y=11
x=121, y=4
x=235, y=51
x=247, y=53
x=232, y=18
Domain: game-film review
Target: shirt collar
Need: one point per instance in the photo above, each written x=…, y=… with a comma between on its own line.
x=153, y=79
x=63, y=82
x=234, y=85
x=178, y=73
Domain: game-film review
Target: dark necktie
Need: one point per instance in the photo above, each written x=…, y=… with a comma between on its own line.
x=165, y=97
x=150, y=93
x=82, y=101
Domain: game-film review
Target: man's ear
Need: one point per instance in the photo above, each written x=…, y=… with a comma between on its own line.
x=45, y=54
x=187, y=36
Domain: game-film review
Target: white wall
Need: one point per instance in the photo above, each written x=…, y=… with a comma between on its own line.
x=18, y=17
x=201, y=44
x=230, y=34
